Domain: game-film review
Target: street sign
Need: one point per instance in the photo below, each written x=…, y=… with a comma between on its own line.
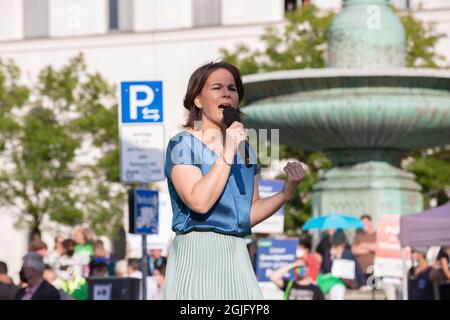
x=143, y=211
x=141, y=102
x=273, y=254
x=142, y=153
x=274, y=224
x=141, y=132
x=163, y=238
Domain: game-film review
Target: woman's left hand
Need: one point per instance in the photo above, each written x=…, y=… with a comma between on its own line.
x=295, y=174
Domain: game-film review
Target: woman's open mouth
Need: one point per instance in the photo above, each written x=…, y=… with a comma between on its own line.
x=223, y=106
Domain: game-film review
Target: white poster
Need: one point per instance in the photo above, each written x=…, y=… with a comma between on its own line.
x=142, y=153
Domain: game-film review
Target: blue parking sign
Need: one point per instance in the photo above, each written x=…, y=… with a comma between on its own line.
x=141, y=102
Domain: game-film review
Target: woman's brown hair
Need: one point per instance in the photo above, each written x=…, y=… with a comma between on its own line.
x=198, y=80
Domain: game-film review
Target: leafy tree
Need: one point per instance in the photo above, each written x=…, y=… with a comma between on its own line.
x=421, y=39
x=59, y=141
x=432, y=170
x=430, y=166
x=302, y=43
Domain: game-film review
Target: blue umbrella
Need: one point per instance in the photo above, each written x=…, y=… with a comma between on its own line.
x=333, y=221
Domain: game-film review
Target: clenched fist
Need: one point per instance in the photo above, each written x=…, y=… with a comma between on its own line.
x=295, y=174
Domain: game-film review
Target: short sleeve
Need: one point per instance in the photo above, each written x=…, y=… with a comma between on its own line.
x=179, y=151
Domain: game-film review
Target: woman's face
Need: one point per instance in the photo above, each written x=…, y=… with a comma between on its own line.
x=219, y=90
x=337, y=251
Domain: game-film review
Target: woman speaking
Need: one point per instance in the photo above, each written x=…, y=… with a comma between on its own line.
x=214, y=194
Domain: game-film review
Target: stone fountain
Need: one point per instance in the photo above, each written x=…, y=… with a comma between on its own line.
x=365, y=111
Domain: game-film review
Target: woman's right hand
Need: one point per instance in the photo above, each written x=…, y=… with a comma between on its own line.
x=235, y=134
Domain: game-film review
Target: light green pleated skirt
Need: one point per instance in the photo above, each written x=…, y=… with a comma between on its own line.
x=210, y=266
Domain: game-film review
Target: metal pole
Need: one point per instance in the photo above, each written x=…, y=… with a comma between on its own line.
x=144, y=263
x=405, y=275
x=144, y=267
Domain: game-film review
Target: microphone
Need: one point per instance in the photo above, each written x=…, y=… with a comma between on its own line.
x=230, y=115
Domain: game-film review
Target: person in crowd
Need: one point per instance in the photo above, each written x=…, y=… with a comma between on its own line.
x=98, y=267
x=420, y=286
x=51, y=277
x=336, y=286
x=441, y=270
x=7, y=287
x=323, y=249
x=101, y=252
x=73, y=282
x=214, y=192
x=77, y=286
x=364, y=245
x=53, y=259
x=155, y=284
x=134, y=271
x=39, y=246
x=313, y=260
x=38, y=288
x=134, y=268
x=325, y=242
x=121, y=268
x=68, y=257
x=83, y=249
x=302, y=287
x=156, y=260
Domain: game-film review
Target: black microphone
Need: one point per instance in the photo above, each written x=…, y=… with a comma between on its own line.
x=231, y=115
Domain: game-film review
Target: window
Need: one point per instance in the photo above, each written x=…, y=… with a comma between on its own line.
x=113, y=15
x=401, y=4
x=36, y=18
x=120, y=15
x=206, y=13
x=292, y=5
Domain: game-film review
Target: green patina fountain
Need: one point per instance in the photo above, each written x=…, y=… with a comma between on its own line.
x=365, y=111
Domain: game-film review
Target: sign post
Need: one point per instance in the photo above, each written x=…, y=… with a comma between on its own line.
x=143, y=219
x=141, y=133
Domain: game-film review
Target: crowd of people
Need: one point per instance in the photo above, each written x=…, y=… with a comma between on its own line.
x=316, y=274
x=62, y=273
x=314, y=277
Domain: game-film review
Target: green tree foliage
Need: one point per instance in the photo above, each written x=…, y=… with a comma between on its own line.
x=430, y=166
x=432, y=169
x=420, y=40
x=302, y=43
x=59, y=141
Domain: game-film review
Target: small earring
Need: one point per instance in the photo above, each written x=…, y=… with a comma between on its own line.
x=199, y=113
